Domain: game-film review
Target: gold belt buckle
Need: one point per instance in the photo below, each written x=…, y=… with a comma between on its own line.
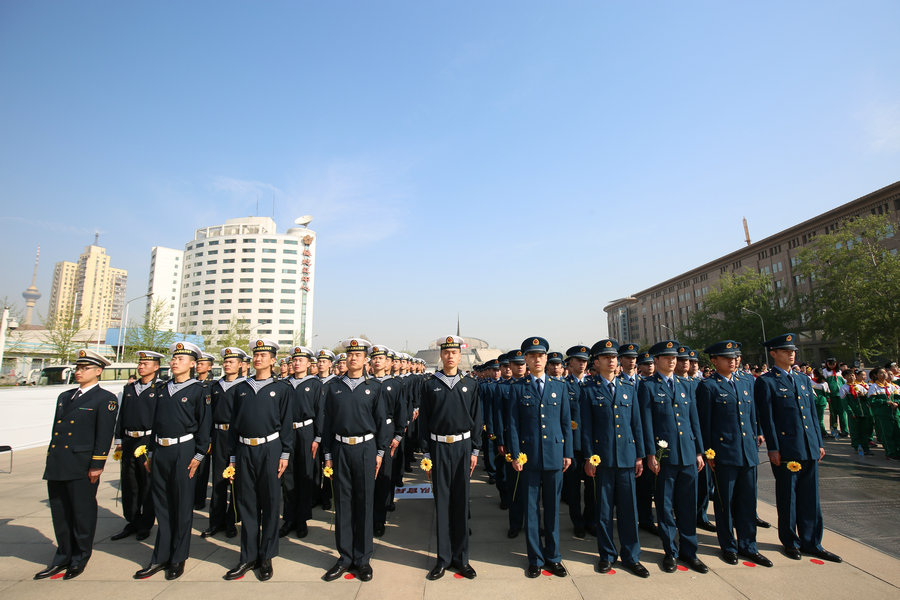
x=351, y=441
x=164, y=442
x=450, y=439
x=254, y=441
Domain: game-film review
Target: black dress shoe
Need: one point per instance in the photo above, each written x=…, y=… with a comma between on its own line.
x=792, y=553
x=123, y=534
x=209, y=532
x=533, y=571
x=365, y=572
x=580, y=532
x=334, y=572
x=285, y=529
x=265, y=569
x=763, y=524
x=706, y=526
x=504, y=505
x=436, y=573
x=556, y=568
x=465, y=570
x=50, y=571
x=650, y=528
x=240, y=570
x=668, y=563
x=231, y=531
x=757, y=558
x=591, y=529
x=392, y=507
x=379, y=530
x=729, y=557
x=638, y=569
x=695, y=564
x=825, y=555
x=513, y=532
x=491, y=481
x=175, y=571
x=326, y=505
x=73, y=572
x=199, y=505
x=302, y=530
x=142, y=535
x=149, y=571
x=604, y=566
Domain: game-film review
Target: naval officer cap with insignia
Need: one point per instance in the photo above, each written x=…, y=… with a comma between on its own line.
x=186, y=349
x=264, y=345
x=516, y=357
x=207, y=357
x=233, y=352
x=354, y=345
x=89, y=357
x=725, y=348
x=379, y=350
x=325, y=354
x=149, y=355
x=301, y=352
x=450, y=342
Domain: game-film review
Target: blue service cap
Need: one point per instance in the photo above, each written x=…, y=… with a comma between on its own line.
x=503, y=359
x=554, y=357
x=726, y=348
x=645, y=358
x=628, y=350
x=684, y=352
x=605, y=348
x=492, y=364
x=517, y=357
x=665, y=348
x=785, y=341
x=535, y=344
x=577, y=352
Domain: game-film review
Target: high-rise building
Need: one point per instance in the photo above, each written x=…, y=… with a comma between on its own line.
x=164, y=285
x=91, y=288
x=244, y=273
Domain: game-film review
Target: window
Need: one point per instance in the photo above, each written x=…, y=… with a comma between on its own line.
x=211, y=252
x=211, y=272
x=224, y=311
x=285, y=321
x=248, y=249
x=286, y=311
x=209, y=302
x=227, y=290
x=267, y=280
x=290, y=261
x=287, y=301
x=224, y=300
x=266, y=301
x=247, y=270
x=290, y=251
x=266, y=290
x=285, y=332
x=212, y=243
x=224, y=321
x=250, y=241
x=265, y=311
x=289, y=271
x=209, y=282
x=249, y=260
x=270, y=250
x=244, y=311
x=269, y=241
x=288, y=281
x=228, y=270
x=231, y=241
x=290, y=242
x=229, y=251
x=288, y=291
x=245, y=300
x=268, y=260
x=208, y=292
x=228, y=260
x=227, y=280
x=208, y=312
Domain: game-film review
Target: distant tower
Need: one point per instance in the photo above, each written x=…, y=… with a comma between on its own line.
x=32, y=294
x=746, y=232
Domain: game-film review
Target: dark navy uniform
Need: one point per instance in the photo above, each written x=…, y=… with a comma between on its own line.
x=133, y=430
x=644, y=486
x=450, y=426
x=181, y=425
x=260, y=436
x=299, y=479
x=669, y=413
x=502, y=411
x=787, y=416
x=222, y=507
x=353, y=434
x=395, y=404
x=82, y=432
x=611, y=429
x=728, y=422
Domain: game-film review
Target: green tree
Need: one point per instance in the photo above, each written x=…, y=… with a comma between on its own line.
x=723, y=317
x=60, y=331
x=237, y=334
x=150, y=335
x=854, y=287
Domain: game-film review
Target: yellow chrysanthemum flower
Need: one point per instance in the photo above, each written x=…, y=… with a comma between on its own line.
x=793, y=466
x=710, y=453
x=328, y=472
x=574, y=425
x=595, y=460
x=117, y=455
x=508, y=457
x=522, y=458
x=426, y=464
x=140, y=451
x=228, y=473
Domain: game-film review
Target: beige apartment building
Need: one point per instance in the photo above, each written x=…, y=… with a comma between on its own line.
x=90, y=288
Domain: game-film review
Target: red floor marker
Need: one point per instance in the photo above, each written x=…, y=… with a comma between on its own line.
x=682, y=568
x=458, y=576
x=747, y=563
x=349, y=576
x=611, y=572
x=57, y=576
x=547, y=573
x=816, y=561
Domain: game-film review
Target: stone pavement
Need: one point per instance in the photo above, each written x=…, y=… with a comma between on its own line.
x=403, y=557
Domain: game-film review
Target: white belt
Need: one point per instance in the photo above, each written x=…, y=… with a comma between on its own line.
x=137, y=434
x=354, y=439
x=449, y=439
x=223, y=426
x=258, y=441
x=172, y=441
x=305, y=423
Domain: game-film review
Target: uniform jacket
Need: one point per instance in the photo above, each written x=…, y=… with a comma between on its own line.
x=82, y=434
x=354, y=412
x=787, y=415
x=540, y=425
x=136, y=411
x=611, y=425
x=728, y=420
x=187, y=411
x=445, y=411
x=575, y=408
x=670, y=416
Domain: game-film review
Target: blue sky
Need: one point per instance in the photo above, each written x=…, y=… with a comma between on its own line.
x=519, y=163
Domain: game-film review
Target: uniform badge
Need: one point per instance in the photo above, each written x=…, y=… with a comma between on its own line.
x=112, y=406
x=746, y=393
x=625, y=396
x=208, y=400
x=389, y=388
x=553, y=395
x=802, y=387
x=307, y=389
x=272, y=394
x=152, y=394
x=184, y=399
x=368, y=392
x=682, y=394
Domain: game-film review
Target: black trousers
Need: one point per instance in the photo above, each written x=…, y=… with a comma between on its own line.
x=354, y=494
x=222, y=506
x=384, y=485
x=137, y=501
x=73, y=508
x=297, y=482
x=258, y=492
x=450, y=484
x=173, y=499
x=201, y=483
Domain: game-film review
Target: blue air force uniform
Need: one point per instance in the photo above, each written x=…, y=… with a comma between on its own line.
x=582, y=516
x=611, y=429
x=669, y=413
x=728, y=423
x=83, y=427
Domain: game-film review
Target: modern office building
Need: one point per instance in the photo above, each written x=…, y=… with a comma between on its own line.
x=164, y=283
x=650, y=314
x=90, y=290
x=245, y=273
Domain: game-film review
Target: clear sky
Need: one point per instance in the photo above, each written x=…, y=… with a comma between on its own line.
x=518, y=163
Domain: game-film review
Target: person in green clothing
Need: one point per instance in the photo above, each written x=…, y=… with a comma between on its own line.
x=836, y=408
x=820, y=389
x=884, y=398
x=853, y=395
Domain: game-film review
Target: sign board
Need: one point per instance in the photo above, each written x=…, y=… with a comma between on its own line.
x=416, y=491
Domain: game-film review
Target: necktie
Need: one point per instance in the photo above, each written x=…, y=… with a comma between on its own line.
x=671, y=385
x=612, y=389
x=73, y=398
x=540, y=386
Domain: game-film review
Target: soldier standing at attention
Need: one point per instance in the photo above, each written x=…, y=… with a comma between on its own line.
x=672, y=429
x=728, y=423
x=180, y=441
x=611, y=432
x=221, y=515
x=540, y=428
x=354, y=438
x=787, y=417
x=82, y=432
x=450, y=426
x=395, y=405
x=259, y=441
x=582, y=518
x=515, y=502
x=133, y=430
x=201, y=479
x=645, y=481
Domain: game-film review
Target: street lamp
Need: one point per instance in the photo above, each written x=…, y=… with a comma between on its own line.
x=669, y=329
x=762, y=324
x=123, y=326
